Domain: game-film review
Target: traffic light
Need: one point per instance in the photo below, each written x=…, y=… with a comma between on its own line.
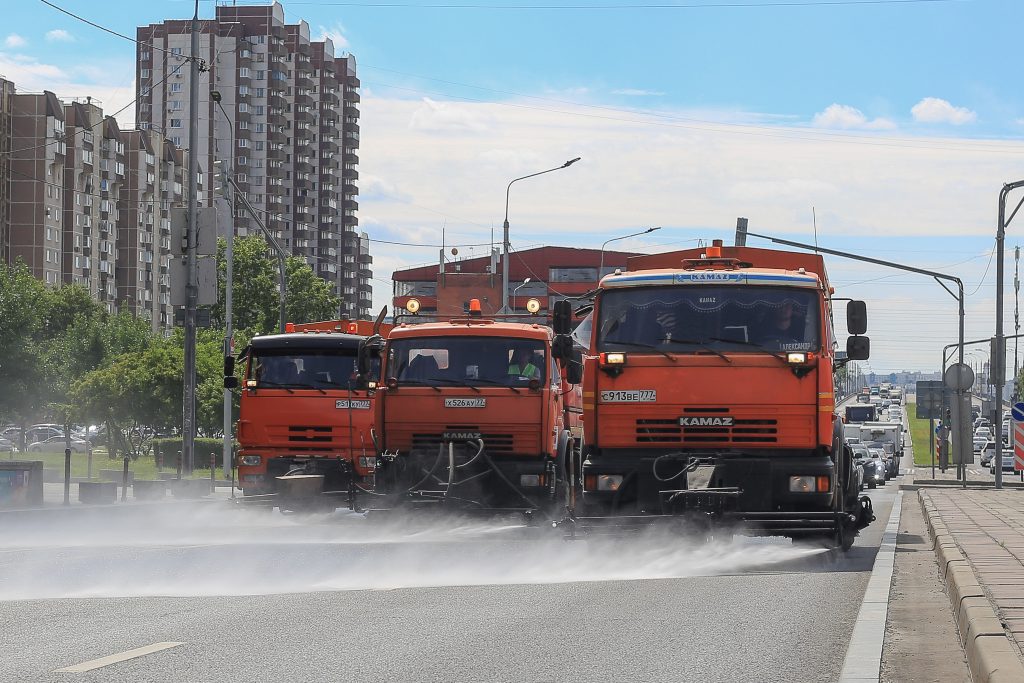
x=220, y=171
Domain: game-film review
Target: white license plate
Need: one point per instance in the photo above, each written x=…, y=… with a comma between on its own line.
x=630, y=396
x=354, y=404
x=465, y=403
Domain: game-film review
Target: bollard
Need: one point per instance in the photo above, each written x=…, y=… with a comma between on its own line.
x=67, y=476
x=88, y=472
x=179, y=464
x=159, y=461
x=213, y=472
x=124, y=480
x=10, y=453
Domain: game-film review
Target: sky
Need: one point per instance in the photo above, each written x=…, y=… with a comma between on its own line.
x=884, y=128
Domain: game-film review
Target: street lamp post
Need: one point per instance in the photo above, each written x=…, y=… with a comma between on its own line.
x=999, y=361
x=505, y=264
x=615, y=239
x=516, y=290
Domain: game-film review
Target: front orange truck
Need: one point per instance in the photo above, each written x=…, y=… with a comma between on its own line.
x=719, y=363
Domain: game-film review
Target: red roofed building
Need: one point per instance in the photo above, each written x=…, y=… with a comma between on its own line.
x=554, y=273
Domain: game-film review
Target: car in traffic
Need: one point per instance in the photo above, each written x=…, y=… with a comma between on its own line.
x=1007, y=461
x=874, y=471
x=983, y=432
x=57, y=444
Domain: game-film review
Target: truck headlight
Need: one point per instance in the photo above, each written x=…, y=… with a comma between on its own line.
x=801, y=484
x=251, y=460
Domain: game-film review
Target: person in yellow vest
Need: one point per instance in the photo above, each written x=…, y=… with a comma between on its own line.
x=522, y=365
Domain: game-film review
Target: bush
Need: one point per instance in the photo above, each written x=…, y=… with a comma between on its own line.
x=168, y=449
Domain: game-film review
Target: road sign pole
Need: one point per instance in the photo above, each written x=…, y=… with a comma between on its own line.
x=931, y=442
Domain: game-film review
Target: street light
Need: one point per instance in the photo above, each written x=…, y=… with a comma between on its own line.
x=615, y=239
x=999, y=357
x=504, y=270
x=516, y=291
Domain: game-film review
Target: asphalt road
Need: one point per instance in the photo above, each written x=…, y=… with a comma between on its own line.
x=260, y=596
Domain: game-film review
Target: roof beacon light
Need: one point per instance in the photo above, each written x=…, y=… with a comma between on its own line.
x=713, y=252
x=474, y=307
x=533, y=306
x=353, y=328
x=412, y=305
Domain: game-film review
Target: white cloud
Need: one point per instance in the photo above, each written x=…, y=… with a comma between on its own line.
x=59, y=35
x=1019, y=122
x=14, y=40
x=336, y=34
x=638, y=92
x=845, y=117
x=935, y=110
x=112, y=83
x=445, y=117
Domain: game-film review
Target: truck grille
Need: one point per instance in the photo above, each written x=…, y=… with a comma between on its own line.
x=495, y=443
x=741, y=431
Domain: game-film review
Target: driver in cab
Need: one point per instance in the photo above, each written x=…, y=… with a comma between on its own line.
x=522, y=365
x=781, y=325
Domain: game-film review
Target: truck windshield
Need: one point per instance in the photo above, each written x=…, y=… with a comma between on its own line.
x=304, y=368
x=722, y=317
x=466, y=360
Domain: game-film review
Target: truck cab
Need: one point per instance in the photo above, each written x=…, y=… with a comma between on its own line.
x=720, y=358
x=304, y=410
x=475, y=413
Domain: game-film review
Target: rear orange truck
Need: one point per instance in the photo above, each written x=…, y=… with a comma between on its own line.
x=477, y=414
x=709, y=393
x=305, y=417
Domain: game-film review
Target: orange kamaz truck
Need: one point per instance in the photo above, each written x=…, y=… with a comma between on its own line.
x=305, y=414
x=476, y=413
x=708, y=392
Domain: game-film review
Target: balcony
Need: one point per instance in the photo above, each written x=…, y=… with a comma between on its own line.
x=350, y=174
x=352, y=96
x=277, y=100
x=351, y=112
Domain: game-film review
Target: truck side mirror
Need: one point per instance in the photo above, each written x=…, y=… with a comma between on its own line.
x=561, y=317
x=858, y=347
x=574, y=367
x=856, y=318
x=561, y=348
x=369, y=349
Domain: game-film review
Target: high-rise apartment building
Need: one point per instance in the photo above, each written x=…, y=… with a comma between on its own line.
x=89, y=203
x=154, y=181
x=35, y=232
x=287, y=122
x=6, y=93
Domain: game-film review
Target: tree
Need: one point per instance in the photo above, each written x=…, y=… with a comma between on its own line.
x=254, y=286
x=309, y=297
x=256, y=299
x=23, y=310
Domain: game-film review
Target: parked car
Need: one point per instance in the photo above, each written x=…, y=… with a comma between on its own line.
x=57, y=444
x=7, y=445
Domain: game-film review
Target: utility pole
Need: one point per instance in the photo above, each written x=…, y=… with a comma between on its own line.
x=1016, y=315
x=999, y=344
x=188, y=426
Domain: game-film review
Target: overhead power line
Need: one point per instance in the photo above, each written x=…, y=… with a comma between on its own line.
x=620, y=6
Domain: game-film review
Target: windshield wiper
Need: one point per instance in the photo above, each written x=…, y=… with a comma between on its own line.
x=279, y=385
x=496, y=383
x=701, y=344
x=456, y=383
x=422, y=383
x=641, y=345
x=760, y=347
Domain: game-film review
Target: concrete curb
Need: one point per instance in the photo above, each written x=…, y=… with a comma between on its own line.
x=990, y=655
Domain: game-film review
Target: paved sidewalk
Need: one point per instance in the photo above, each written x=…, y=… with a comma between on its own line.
x=979, y=539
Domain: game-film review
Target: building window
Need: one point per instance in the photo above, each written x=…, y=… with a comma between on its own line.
x=259, y=110
x=243, y=90
x=144, y=73
x=579, y=274
x=243, y=107
x=244, y=72
x=174, y=105
x=261, y=92
x=261, y=75
x=175, y=123
x=175, y=87
x=176, y=51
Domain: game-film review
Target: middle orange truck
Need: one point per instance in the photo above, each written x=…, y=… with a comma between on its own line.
x=476, y=414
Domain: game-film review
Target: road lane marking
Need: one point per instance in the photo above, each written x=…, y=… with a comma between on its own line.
x=864, y=654
x=120, y=657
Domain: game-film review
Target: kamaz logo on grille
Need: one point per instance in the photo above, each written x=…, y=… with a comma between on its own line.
x=461, y=436
x=705, y=422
